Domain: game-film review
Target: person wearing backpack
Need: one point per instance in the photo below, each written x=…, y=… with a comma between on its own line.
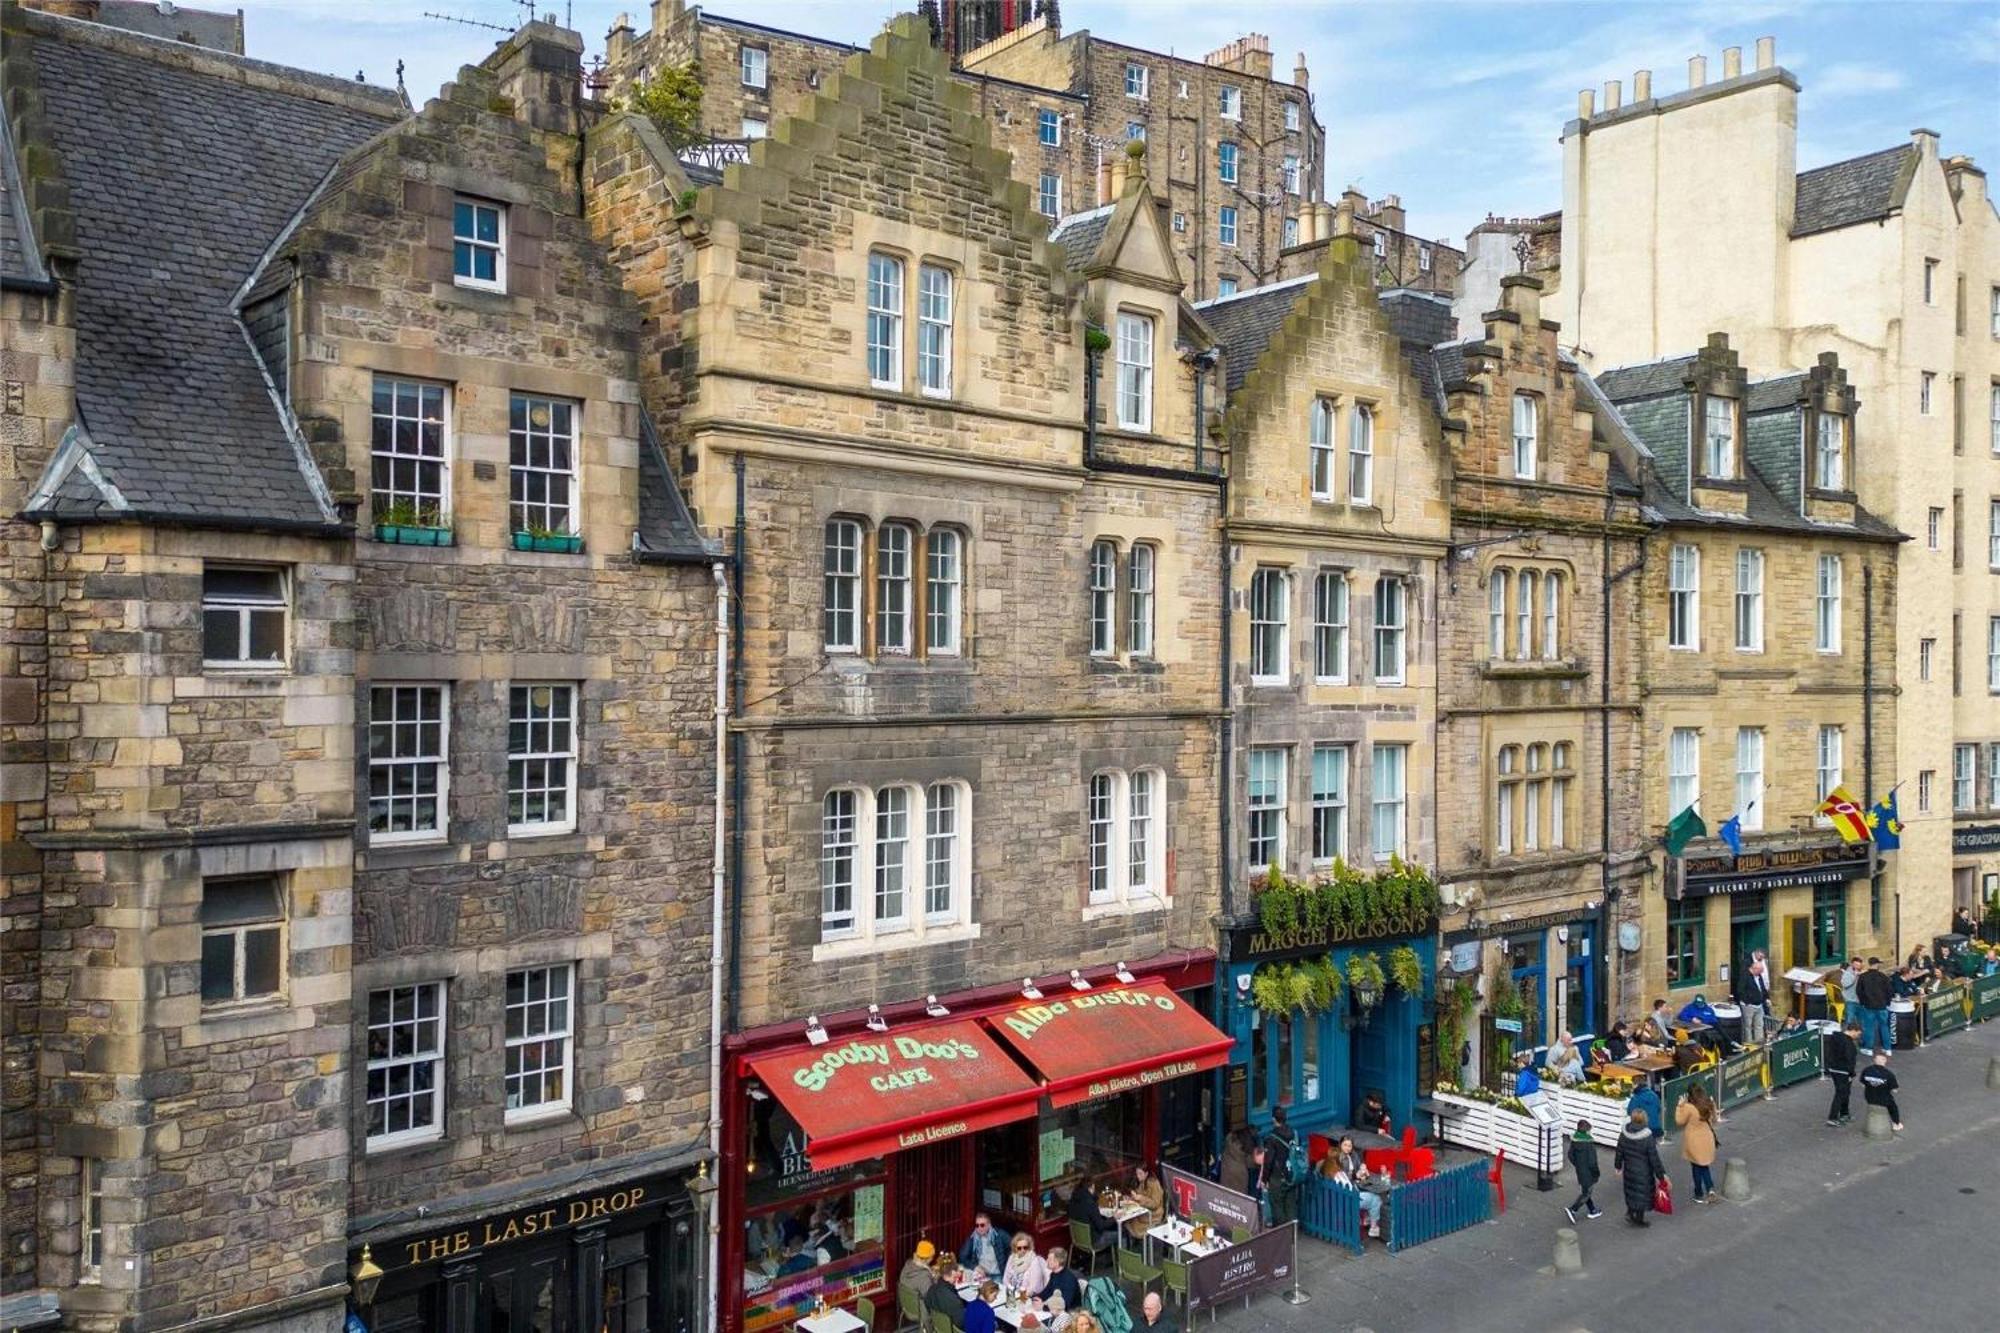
x=1285, y=1168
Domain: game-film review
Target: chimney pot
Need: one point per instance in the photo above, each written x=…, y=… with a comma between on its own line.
x=1767, y=52
x=1586, y=104
x=1732, y=62
x=1697, y=71
x=1611, y=94
x=1642, y=85
x=1301, y=76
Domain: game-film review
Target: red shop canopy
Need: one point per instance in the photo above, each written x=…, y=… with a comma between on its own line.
x=1095, y=1043
x=876, y=1092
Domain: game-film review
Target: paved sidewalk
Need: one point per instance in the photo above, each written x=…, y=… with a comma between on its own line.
x=1924, y=1209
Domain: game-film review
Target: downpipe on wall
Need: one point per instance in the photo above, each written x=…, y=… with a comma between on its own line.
x=715, y=935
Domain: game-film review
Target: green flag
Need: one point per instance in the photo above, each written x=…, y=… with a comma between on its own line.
x=1683, y=829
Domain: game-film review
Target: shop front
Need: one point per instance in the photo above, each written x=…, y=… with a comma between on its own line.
x=848, y=1143
x=1975, y=866
x=1547, y=975
x=1323, y=1014
x=622, y=1258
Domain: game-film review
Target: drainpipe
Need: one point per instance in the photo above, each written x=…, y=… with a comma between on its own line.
x=1868, y=749
x=736, y=765
x=1090, y=365
x=1609, y=583
x=715, y=956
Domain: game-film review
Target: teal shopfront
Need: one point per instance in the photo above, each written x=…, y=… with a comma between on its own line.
x=1321, y=1057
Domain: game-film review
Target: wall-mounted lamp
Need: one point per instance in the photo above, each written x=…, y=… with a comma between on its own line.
x=815, y=1034
x=1562, y=934
x=365, y=1277
x=1124, y=973
x=1242, y=983
x=1076, y=981
x=877, y=1023
x=1029, y=990
x=934, y=1009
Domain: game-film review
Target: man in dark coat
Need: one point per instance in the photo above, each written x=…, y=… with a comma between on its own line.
x=1841, y=1050
x=1279, y=1187
x=1637, y=1162
x=1583, y=1160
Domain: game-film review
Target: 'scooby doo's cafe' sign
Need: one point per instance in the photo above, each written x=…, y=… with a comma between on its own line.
x=898, y=1062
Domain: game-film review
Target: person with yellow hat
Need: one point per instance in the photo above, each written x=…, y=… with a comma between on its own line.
x=916, y=1275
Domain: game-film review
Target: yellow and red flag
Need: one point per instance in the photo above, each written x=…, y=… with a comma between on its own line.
x=1846, y=814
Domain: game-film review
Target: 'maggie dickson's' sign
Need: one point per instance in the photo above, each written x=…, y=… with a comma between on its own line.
x=1262, y=1261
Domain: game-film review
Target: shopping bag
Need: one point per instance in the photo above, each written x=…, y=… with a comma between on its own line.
x=1663, y=1196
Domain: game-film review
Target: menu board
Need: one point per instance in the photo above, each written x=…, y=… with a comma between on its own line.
x=868, y=1213
x=1058, y=1151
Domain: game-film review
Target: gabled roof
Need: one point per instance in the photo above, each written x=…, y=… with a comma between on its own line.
x=667, y=533
x=181, y=167
x=1244, y=323
x=1080, y=234
x=1861, y=189
x=1652, y=379
x=20, y=253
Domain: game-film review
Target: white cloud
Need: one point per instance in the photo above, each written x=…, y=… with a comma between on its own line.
x=1848, y=78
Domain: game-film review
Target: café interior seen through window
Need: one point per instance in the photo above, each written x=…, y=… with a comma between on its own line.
x=800, y=1223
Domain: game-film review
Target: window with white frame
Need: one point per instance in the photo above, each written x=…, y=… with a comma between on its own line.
x=1127, y=836
x=1329, y=803
x=1826, y=614
x=1291, y=173
x=867, y=838
x=1101, y=820
x=1926, y=653
x=894, y=545
x=1926, y=780
x=1750, y=778
x=1330, y=627
x=1048, y=195
x=944, y=581
x=539, y=1014
x=1930, y=281
x=1288, y=234
x=1103, y=599
x=408, y=770
x=1993, y=654
x=479, y=244
x=755, y=63
x=885, y=321
x=1506, y=798
x=1226, y=155
x=1684, y=597
x=405, y=1064
x=1135, y=371
x=541, y=442
x=90, y=1219
x=1718, y=455
x=1829, y=765
x=1423, y=259
x=1525, y=450
x=1926, y=391
x=1181, y=89
x=1552, y=586
x=242, y=939
x=1137, y=80
x=1231, y=103
x=1265, y=828
x=1830, y=466
x=1292, y=126
x=409, y=449
x=755, y=127
x=1562, y=782
x=1361, y=455
x=1139, y=572
x=1993, y=534
x=838, y=858
x=1144, y=843
x=892, y=858
x=1964, y=777
x=1381, y=244
x=1993, y=416
x=1270, y=626
x=1319, y=449
x=243, y=611
x=1994, y=313
x=1498, y=584
x=1934, y=528
x=1993, y=774
x=1683, y=769
x=1749, y=600
x=1529, y=583
x=841, y=623
x=1391, y=623
x=1048, y=127
x=1134, y=131
x=541, y=759
x=1533, y=791
x=1388, y=798
x=1225, y=286
x=1225, y=224
x=934, y=331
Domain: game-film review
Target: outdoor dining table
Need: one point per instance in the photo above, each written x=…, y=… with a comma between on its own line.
x=1176, y=1232
x=1010, y=1313
x=833, y=1321
x=1639, y=1066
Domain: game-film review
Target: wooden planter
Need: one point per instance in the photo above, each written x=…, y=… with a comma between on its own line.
x=1487, y=1129
x=1605, y=1114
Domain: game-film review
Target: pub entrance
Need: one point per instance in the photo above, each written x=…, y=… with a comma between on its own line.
x=1749, y=931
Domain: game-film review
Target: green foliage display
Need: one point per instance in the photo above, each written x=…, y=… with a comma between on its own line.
x=1406, y=970
x=1310, y=984
x=1364, y=973
x=671, y=99
x=1344, y=898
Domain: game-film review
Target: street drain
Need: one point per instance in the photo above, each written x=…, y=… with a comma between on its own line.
x=1967, y=1189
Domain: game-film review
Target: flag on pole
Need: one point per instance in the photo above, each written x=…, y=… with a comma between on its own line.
x=1731, y=832
x=1846, y=814
x=1884, y=824
x=1683, y=829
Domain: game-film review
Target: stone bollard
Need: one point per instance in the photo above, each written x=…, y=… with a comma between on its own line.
x=1993, y=1072
x=1736, y=1180
x=1569, y=1254
x=1877, y=1125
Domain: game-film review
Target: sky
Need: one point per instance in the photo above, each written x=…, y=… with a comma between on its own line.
x=1454, y=105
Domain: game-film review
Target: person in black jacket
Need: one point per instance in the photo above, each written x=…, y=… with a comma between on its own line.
x=1878, y=1085
x=943, y=1297
x=1279, y=1187
x=1083, y=1208
x=1583, y=1160
x=1872, y=991
x=1062, y=1280
x=1618, y=1046
x=1638, y=1164
x=1842, y=1049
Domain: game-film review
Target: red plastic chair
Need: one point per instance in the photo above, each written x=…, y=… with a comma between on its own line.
x=1317, y=1146
x=1499, y=1180
x=1379, y=1161
x=1422, y=1162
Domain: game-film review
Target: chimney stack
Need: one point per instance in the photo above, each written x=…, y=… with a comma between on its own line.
x=1642, y=85
x=1767, y=52
x=1104, y=194
x=1611, y=95
x=1697, y=72
x=1522, y=295
x=1586, y=104
x=540, y=70
x=1301, y=76
x=1732, y=62
x=665, y=12
x=618, y=42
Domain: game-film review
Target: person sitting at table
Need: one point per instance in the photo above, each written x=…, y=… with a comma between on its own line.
x=835, y=1241
x=1053, y=1316
x=1374, y=1114
x=1147, y=1194
x=916, y=1275
x=1565, y=1059
x=1344, y=1166
x=797, y=1258
x=979, y=1317
x=1526, y=1080
x=1699, y=1010
x=943, y=1298
x=1025, y=1270
x=1618, y=1045
x=986, y=1248
x=1153, y=1315
x=1082, y=1207
x=1791, y=1027
x=1062, y=1282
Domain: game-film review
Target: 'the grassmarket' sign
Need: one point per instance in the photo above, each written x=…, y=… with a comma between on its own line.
x=1248, y=943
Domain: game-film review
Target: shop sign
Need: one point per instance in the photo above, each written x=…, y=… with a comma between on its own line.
x=1195, y=1196
x=1522, y=925
x=1740, y=1078
x=1507, y=1025
x=1944, y=1011
x=1986, y=997
x=1775, y=868
x=1976, y=838
x=1102, y=1042
x=521, y=1224
x=1795, y=1059
x=1250, y=943
x=1264, y=1260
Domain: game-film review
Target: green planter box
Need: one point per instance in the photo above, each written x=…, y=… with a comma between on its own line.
x=565, y=545
x=411, y=534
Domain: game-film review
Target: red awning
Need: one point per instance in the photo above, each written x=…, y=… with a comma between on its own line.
x=1095, y=1043
x=876, y=1092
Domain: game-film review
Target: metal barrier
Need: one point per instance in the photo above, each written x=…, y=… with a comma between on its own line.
x=1795, y=1059
x=1451, y=1200
x=1330, y=1211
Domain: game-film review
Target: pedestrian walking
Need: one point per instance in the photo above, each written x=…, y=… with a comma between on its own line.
x=1281, y=1184
x=1695, y=1117
x=1637, y=1161
x=1878, y=1086
x=1842, y=1053
x=1646, y=1098
x=1873, y=990
x=1583, y=1161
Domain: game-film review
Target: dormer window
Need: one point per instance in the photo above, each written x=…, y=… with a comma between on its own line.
x=1524, y=435
x=1718, y=453
x=1830, y=457
x=479, y=244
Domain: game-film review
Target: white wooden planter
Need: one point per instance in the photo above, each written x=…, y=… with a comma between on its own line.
x=1605, y=1114
x=1487, y=1129
x=1473, y=1129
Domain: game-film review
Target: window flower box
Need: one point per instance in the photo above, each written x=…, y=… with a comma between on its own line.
x=560, y=542
x=412, y=534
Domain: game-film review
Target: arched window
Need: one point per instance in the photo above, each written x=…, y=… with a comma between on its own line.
x=1507, y=795
x=1103, y=599
x=1552, y=583
x=1361, y=455
x=1139, y=588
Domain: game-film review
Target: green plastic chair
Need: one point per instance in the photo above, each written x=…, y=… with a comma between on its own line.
x=1132, y=1267
x=1080, y=1242
x=1174, y=1276
x=864, y=1310
x=941, y=1322
x=1239, y=1235
x=911, y=1307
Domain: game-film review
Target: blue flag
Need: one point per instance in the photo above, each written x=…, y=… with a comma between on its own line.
x=1731, y=832
x=1883, y=824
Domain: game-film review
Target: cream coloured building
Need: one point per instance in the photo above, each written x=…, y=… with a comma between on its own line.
x=1891, y=261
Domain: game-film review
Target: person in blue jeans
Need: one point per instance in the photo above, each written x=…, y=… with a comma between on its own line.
x=1872, y=991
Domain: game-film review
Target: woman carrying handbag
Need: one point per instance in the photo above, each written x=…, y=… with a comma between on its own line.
x=1637, y=1161
x=1695, y=1117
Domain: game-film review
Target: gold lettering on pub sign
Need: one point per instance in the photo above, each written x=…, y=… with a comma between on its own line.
x=1312, y=937
x=520, y=1226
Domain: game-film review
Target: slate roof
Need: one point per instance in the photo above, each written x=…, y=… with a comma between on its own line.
x=20, y=253
x=1245, y=323
x=181, y=171
x=1623, y=384
x=1080, y=234
x=667, y=532
x=175, y=23
x=1419, y=317
x=1861, y=189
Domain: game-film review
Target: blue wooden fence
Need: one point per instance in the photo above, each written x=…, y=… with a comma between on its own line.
x=1331, y=1212
x=1452, y=1200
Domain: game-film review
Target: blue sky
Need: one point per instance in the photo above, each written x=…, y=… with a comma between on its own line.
x=1456, y=106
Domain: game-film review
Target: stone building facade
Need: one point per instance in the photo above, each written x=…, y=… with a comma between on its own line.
x=1399, y=259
